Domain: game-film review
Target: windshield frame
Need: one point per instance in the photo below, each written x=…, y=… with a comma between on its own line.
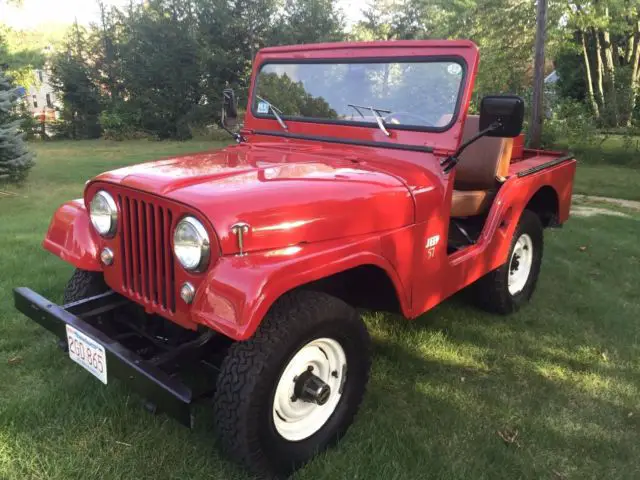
x=354, y=123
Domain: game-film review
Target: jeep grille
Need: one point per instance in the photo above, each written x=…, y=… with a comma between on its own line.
x=147, y=263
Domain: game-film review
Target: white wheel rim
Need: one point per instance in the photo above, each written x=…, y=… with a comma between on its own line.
x=520, y=264
x=296, y=419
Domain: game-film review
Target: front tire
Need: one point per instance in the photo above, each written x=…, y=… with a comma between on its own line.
x=509, y=287
x=84, y=284
x=266, y=411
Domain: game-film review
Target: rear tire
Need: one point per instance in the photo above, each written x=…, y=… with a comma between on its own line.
x=261, y=422
x=509, y=287
x=84, y=284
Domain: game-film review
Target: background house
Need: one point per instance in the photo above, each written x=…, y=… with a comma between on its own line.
x=40, y=97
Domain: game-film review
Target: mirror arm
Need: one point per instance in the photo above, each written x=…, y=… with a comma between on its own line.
x=480, y=134
x=238, y=137
x=452, y=160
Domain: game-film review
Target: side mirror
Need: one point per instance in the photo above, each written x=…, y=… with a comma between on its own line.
x=500, y=116
x=229, y=108
x=505, y=113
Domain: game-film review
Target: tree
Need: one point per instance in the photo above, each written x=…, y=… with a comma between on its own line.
x=15, y=158
x=608, y=35
x=21, y=52
x=161, y=71
x=537, y=106
x=105, y=54
x=606, y=52
x=223, y=60
x=572, y=78
x=589, y=78
x=393, y=20
x=251, y=24
x=4, y=52
x=72, y=77
x=309, y=21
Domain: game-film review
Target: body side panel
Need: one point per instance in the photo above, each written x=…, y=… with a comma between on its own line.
x=441, y=277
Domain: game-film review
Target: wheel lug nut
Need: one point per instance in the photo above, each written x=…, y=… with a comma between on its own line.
x=294, y=398
x=334, y=374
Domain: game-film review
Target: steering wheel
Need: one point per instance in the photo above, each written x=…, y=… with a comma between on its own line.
x=397, y=116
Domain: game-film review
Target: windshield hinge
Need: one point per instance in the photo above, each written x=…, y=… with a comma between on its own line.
x=443, y=152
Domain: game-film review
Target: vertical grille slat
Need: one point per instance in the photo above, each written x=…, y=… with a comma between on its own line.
x=128, y=263
x=160, y=256
x=151, y=248
x=172, y=282
x=169, y=263
x=142, y=249
x=123, y=239
x=135, y=257
x=147, y=261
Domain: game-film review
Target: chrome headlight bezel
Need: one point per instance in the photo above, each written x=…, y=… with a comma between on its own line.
x=112, y=214
x=203, y=244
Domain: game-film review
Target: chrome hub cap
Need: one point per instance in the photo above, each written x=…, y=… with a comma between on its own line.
x=520, y=264
x=309, y=389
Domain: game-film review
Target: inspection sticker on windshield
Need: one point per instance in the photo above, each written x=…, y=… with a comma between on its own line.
x=454, y=69
x=263, y=107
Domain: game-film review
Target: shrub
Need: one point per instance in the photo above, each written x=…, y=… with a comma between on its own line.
x=30, y=126
x=119, y=125
x=570, y=124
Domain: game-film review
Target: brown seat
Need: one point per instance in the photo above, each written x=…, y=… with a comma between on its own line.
x=467, y=203
x=483, y=165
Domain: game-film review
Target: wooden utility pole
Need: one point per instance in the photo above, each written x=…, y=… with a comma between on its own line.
x=537, y=103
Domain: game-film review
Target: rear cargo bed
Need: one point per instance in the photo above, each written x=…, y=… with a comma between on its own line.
x=536, y=160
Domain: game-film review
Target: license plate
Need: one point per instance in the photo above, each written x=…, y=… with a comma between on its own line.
x=87, y=352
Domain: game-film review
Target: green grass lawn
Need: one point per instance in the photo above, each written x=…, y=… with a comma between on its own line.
x=608, y=167
x=607, y=181
x=604, y=149
x=559, y=380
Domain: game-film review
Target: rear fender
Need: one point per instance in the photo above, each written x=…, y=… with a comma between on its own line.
x=513, y=198
x=72, y=238
x=239, y=290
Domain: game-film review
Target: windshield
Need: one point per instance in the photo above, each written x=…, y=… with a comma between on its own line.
x=404, y=94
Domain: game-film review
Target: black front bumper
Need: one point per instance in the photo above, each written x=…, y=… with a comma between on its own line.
x=165, y=391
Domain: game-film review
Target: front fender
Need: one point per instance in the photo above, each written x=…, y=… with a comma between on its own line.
x=71, y=237
x=239, y=291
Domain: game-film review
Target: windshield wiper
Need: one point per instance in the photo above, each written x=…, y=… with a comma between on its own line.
x=357, y=109
x=275, y=112
x=376, y=114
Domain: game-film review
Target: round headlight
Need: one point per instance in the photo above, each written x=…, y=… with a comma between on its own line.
x=103, y=213
x=191, y=244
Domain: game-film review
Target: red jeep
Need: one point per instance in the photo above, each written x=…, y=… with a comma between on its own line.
x=358, y=180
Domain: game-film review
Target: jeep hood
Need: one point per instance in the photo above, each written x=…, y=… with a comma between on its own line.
x=287, y=196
